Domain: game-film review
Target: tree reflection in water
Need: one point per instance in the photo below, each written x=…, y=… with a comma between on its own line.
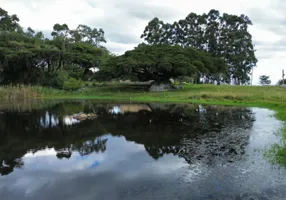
x=191, y=131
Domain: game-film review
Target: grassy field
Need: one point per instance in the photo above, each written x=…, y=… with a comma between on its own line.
x=225, y=94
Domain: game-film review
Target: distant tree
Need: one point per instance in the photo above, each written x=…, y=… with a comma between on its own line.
x=60, y=31
x=8, y=22
x=30, y=32
x=280, y=82
x=84, y=33
x=264, y=80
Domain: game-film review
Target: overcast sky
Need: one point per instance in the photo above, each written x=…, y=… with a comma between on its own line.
x=124, y=20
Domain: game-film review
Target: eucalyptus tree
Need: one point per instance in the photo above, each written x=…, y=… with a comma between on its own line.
x=93, y=36
x=223, y=35
x=153, y=32
x=8, y=22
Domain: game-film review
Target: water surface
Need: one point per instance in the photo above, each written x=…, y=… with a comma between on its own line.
x=137, y=151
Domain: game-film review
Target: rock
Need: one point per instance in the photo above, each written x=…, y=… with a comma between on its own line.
x=83, y=116
x=80, y=117
x=160, y=86
x=125, y=81
x=179, y=87
x=91, y=115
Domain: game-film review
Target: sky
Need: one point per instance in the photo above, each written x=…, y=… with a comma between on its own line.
x=124, y=21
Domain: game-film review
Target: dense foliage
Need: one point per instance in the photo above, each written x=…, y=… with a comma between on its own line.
x=212, y=47
x=62, y=61
x=225, y=36
x=162, y=62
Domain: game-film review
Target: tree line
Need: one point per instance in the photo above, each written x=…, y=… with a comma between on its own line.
x=215, y=47
x=28, y=57
x=222, y=35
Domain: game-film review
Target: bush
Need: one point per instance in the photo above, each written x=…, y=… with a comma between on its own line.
x=72, y=84
x=102, y=75
x=74, y=71
x=55, y=79
x=186, y=79
x=131, y=78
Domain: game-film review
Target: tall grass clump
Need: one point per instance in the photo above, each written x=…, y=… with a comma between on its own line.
x=20, y=92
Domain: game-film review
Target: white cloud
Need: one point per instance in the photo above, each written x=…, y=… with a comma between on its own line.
x=43, y=153
x=125, y=20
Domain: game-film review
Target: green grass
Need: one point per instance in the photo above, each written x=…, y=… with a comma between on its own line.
x=225, y=94
x=273, y=97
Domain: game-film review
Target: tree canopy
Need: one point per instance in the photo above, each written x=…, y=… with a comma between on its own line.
x=215, y=47
x=162, y=62
x=28, y=57
x=225, y=36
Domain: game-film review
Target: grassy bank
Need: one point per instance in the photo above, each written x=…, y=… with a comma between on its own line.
x=225, y=94
x=238, y=95
x=273, y=97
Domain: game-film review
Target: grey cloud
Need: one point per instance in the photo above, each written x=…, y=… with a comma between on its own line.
x=265, y=20
x=116, y=29
x=266, y=51
x=147, y=12
x=272, y=19
x=91, y=3
x=123, y=38
x=117, y=49
x=121, y=19
x=144, y=10
x=276, y=46
x=141, y=15
x=125, y=15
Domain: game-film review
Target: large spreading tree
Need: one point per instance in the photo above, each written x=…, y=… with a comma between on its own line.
x=162, y=62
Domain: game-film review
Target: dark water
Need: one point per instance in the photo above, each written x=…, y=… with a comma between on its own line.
x=137, y=151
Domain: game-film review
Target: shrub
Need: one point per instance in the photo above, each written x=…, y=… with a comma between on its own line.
x=55, y=79
x=72, y=84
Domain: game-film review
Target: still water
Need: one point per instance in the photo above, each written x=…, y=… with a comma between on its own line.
x=89, y=150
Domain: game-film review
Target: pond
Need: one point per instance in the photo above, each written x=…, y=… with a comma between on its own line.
x=94, y=150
